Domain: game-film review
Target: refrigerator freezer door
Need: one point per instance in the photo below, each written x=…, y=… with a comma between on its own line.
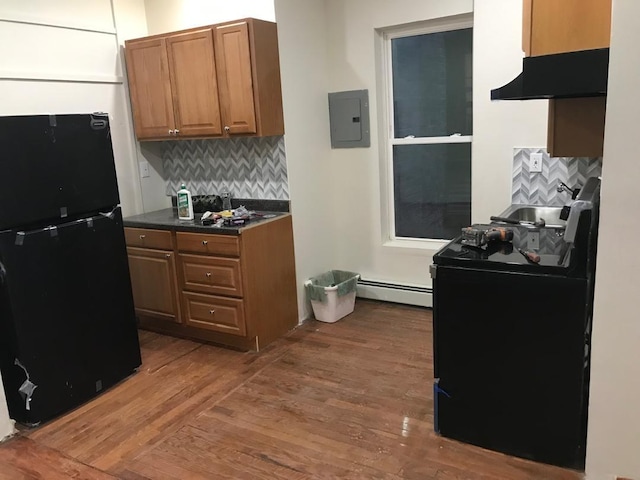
x=55, y=167
x=67, y=325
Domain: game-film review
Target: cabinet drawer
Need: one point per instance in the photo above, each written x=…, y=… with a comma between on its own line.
x=213, y=244
x=220, y=314
x=142, y=237
x=216, y=275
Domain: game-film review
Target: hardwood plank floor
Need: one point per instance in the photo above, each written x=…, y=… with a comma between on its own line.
x=347, y=400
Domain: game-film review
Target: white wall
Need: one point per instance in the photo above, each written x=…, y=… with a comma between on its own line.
x=357, y=184
x=499, y=126
x=303, y=66
x=613, y=440
x=67, y=60
x=6, y=424
x=168, y=15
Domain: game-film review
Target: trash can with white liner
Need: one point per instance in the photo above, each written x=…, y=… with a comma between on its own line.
x=332, y=294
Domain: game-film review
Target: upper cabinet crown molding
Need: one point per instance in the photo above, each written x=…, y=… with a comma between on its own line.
x=218, y=80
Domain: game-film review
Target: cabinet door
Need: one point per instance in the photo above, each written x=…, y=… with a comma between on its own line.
x=235, y=82
x=148, y=72
x=153, y=281
x=194, y=84
x=552, y=26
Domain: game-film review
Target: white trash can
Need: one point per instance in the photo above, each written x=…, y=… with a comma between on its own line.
x=332, y=294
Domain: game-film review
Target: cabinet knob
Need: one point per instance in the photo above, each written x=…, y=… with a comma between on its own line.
x=168, y=255
x=227, y=128
x=208, y=274
x=142, y=237
x=211, y=312
x=204, y=242
x=171, y=132
x=176, y=131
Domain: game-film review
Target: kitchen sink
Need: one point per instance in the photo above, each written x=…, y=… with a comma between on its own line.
x=533, y=213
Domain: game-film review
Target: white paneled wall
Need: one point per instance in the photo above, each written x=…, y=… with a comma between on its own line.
x=79, y=14
x=56, y=53
x=65, y=56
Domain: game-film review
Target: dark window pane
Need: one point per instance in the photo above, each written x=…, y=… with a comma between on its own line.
x=432, y=84
x=432, y=189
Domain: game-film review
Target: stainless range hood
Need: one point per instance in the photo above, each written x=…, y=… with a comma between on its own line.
x=562, y=75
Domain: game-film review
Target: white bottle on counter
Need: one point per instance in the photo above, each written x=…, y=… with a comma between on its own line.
x=185, y=203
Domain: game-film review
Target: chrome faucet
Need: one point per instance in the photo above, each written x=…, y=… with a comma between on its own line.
x=563, y=187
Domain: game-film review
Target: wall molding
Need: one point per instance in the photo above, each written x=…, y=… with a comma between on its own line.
x=79, y=27
x=407, y=294
x=60, y=77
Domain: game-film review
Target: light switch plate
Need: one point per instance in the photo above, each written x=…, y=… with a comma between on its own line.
x=535, y=163
x=144, y=169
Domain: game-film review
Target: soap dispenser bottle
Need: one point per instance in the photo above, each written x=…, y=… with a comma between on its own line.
x=226, y=199
x=185, y=203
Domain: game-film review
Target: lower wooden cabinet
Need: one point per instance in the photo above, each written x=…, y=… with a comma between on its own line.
x=576, y=127
x=153, y=281
x=236, y=290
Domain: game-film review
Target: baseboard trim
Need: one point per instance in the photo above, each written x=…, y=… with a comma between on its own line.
x=395, y=292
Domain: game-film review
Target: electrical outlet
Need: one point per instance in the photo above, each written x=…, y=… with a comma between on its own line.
x=144, y=169
x=535, y=163
x=533, y=240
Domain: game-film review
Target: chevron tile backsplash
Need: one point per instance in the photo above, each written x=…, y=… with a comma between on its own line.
x=541, y=188
x=248, y=167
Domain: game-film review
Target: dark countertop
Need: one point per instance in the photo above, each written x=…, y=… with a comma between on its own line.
x=167, y=219
x=556, y=256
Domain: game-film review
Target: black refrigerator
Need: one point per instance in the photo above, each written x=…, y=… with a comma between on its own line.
x=67, y=322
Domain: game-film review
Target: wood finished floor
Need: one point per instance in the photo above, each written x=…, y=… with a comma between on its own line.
x=348, y=400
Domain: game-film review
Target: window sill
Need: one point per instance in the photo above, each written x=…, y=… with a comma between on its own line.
x=419, y=246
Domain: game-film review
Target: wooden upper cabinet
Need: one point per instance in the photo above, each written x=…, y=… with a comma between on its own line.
x=194, y=84
x=249, y=77
x=576, y=125
x=235, y=78
x=149, y=87
x=559, y=26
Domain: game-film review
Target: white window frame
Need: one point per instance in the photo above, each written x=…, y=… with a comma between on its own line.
x=388, y=221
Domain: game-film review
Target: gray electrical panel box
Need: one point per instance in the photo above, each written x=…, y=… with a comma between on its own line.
x=349, y=119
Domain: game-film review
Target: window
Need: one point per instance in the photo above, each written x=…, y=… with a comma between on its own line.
x=429, y=92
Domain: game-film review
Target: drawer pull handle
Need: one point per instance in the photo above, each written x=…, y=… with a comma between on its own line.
x=142, y=237
x=168, y=255
x=208, y=274
x=204, y=242
x=211, y=312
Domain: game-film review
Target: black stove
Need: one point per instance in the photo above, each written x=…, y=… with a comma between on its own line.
x=512, y=338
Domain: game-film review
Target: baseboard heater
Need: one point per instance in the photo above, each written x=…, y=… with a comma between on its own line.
x=395, y=292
